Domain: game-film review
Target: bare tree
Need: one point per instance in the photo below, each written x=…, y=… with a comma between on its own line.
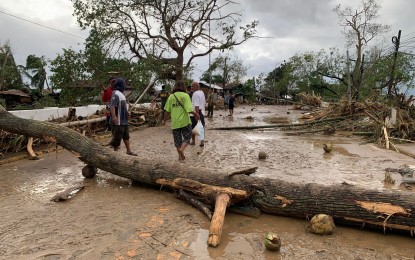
x=171, y=33
x=230, y=68
x=360, y=27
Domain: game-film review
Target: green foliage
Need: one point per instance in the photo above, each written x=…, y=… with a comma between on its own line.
x=215, y=78
x=35, y=71
x=79, y=96
x=82, y=75
x=10, y=77
x=175, y=28
x=45, y=101
x=67, y=69
x=248, y=90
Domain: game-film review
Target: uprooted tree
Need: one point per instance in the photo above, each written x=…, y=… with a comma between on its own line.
x=388, y=210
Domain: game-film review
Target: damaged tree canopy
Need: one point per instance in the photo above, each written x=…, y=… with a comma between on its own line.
x=347, y=204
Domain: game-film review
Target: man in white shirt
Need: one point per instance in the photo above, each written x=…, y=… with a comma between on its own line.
x=199, y=104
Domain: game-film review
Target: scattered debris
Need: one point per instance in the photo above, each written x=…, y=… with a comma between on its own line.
x=11, y=143
x=67, y=194
x=407, y=173
x=388, y=178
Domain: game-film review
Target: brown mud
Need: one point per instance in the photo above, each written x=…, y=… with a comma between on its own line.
x=113, y=218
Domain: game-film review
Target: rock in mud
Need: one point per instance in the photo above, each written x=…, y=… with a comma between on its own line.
x=262, y=155
x=327, y=147
x=321, y=224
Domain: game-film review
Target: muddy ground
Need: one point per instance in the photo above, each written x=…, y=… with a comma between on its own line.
x=113, y=218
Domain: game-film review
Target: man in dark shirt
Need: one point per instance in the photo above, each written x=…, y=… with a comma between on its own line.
x=119, y=117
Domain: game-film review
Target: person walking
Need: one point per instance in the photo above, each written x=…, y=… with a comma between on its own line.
x=199, y=105
x=231, y=102
x=210, y=103
x=179, y=106
x=163, y=95
x=226, y=100
x=119, y=117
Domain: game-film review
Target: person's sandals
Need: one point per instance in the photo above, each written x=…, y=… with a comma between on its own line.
x=132, y=153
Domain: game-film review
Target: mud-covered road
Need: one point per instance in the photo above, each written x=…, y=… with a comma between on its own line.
x=113, y=218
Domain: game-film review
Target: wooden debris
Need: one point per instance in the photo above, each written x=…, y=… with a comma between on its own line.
x=216, y=225
x=67, y=194
x=202, y=207
x=248, y=172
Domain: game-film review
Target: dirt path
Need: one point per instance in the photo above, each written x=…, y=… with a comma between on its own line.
x=112, y=218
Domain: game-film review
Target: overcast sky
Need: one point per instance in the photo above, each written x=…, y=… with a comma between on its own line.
x=292, y=26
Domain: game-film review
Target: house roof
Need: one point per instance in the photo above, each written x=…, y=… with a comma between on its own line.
x=204, y=83
x=14, y=92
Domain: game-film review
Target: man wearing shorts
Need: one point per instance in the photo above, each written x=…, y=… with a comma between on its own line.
x=119, y=117
x=179, y=106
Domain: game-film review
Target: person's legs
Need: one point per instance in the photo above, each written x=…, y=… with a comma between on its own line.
x=210, y=111
x=202, y=120
x=194, y=123
x=128, y=148
x=186, y=132
x=178, y=141
x=126, y=139
x=117, y=135
x=108, y=126
x=231, y=110
x=162, y=110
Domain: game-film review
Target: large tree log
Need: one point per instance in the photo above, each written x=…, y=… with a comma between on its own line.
x=347, y=204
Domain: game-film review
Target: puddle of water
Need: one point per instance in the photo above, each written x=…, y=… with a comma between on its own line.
x=254, y=137
x=242, y=238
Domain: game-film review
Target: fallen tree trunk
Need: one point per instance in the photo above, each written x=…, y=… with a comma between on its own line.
x=345, y=203
x=305, y=124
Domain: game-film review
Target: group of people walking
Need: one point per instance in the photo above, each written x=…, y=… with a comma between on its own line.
x=179, y=106
x=185, y=108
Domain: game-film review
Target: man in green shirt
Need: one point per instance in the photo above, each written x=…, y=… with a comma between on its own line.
x=179, y=106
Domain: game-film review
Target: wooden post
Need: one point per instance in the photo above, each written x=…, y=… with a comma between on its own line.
x=385, y=132
x=215, y=230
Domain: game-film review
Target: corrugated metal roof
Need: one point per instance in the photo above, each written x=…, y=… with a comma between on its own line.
x=211, y=85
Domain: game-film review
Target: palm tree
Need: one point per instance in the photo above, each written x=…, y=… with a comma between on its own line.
x=35, y=71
